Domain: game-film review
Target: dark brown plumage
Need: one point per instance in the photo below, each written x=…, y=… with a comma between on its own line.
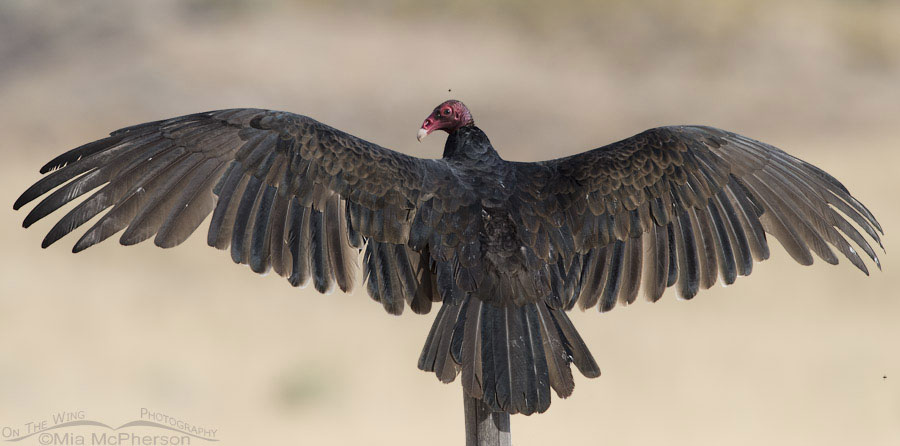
x=506, y=247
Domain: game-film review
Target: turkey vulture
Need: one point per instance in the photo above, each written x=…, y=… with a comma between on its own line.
x=506, y=247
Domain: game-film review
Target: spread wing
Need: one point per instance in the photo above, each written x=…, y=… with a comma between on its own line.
x=686, y=205
x=285, y=192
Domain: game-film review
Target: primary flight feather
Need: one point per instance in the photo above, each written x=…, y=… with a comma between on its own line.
x=506, y=247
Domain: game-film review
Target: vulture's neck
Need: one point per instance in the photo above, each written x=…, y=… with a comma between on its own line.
x=470, y=145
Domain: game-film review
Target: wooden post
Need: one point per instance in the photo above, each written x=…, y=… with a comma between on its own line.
x=484, y=427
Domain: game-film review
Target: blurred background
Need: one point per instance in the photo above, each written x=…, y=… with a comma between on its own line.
x=790, y=355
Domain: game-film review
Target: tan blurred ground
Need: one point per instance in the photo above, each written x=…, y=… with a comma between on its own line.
x=789, y=356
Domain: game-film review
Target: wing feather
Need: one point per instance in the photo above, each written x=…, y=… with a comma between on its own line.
x=700, y=201
x=285, y=192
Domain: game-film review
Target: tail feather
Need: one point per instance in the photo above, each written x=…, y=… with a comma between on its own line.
x=575, y=347
x=472, y=367
x=435, y=355
x=559, y=373
x=510, y=356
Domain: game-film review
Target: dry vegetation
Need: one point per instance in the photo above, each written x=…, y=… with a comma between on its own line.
x=791, y=355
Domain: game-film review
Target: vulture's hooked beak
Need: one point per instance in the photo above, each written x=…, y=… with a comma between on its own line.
x=429, y=125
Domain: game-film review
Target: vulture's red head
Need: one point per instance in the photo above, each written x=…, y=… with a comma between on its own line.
x=448, y=116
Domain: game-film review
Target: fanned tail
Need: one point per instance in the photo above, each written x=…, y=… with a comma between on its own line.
x=510, y=356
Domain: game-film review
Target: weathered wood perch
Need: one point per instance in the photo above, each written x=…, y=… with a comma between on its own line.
x=484, y=427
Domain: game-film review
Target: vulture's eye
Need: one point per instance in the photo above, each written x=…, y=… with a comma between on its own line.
x=446, y=112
